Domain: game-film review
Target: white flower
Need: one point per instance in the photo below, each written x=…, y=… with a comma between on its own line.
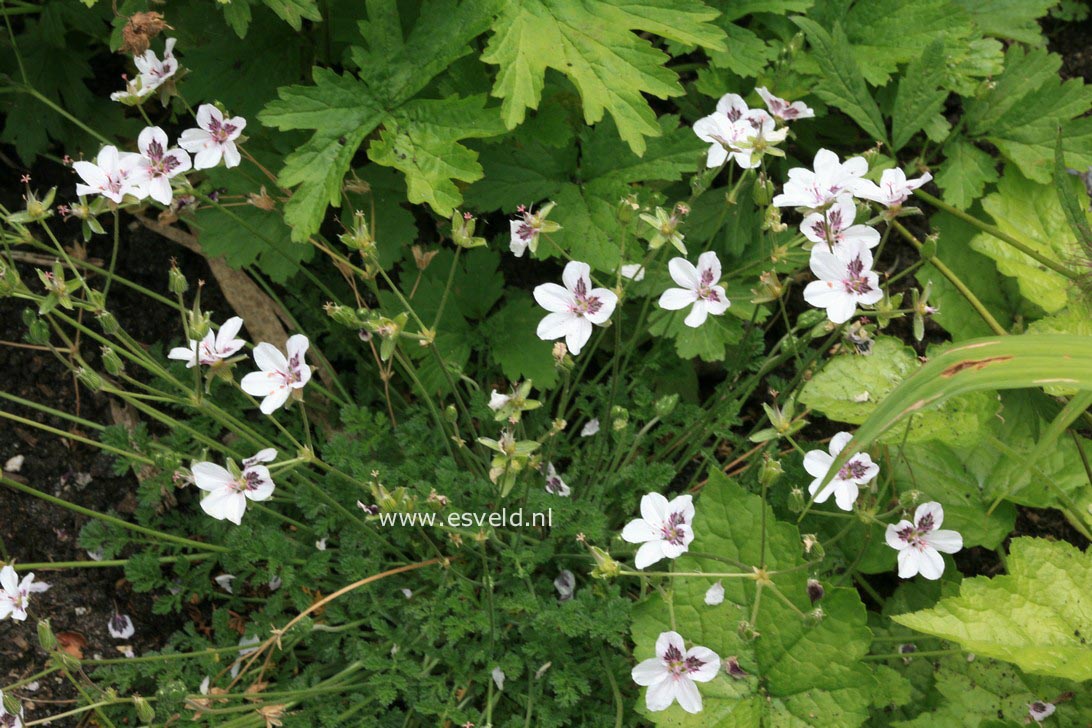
x=718, y=131
x=321, y=544
x=526, y=229
x=732, y=107
x=153, y=72
x=134, y=91
x=782, y=109
x=894, y=188
x=845, y=280
x=834, y=226
x=565, y=583
x=753, y=135
x=714, y=595
x=734, y=129
x=699, y=289
x=279, y=376
x=821, y=186
x=574, y=308
x=245, y=648
x=212, y=349
x=498, y=400
x=590, y=428
x=554, y=483
x=113, y=175
x=229, y=493
x=918, y=543
x=224, y=581
x=671, y=675
x=215, y=139
x=159, y=164
x=15, y=594
x=663, y=530
x=120, y=627
x=857, y=471
x=10, y=720
x=633, y=271
x=1040, y=710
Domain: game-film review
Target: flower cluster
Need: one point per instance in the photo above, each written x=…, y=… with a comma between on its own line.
x=746, y=134
x=151, y=74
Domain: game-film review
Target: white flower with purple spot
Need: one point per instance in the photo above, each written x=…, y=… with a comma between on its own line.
x=1040, y=710
x=120, y=627
x=526, y=229
x=846, y=280
x=554, y=483
x=153, y=71
x=845, y=485
x=280, y=375
x=213, y=348
x=920, y=542
x=782, y=109
x=15, y=593
x=574, y=307
x=159, y=164
x=113, y=175
x=229, y=490
x=699, y=289
x=816, y=188
x=214, y=139
x=893, y=189
x=673, y=673
x=664, y=529
x=834, y=226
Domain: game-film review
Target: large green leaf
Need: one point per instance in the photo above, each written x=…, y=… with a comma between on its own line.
x=801, y=673
x=920, y=98
x=849, y=387
x=595, y=47
x=1031, y=213
x=965, y=173
x=1038, y=616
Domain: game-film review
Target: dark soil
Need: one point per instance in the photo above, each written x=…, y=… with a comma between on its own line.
x=81, y=601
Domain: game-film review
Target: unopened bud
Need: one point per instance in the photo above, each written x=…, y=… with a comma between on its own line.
x=38, y=333
x=666, y=405
x=45, y=635
x=176, y=281
x=815, y=616
x=770, y=471
x=812, y=546
x=111, y=362
x=796, y=500
x=451, y=414
x=605, y=566
x=910, y=498
x=815, y=590
x=343, y=315
x=12, y=707
x=89, y=378
x=763, y=191
x=108, y=323
x=144, y=709
x=747, y=631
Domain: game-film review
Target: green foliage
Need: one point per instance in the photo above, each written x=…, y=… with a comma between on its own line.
x=1036, y=616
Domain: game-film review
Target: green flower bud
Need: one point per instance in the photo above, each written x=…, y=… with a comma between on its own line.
x=796, y=500
x=666, y=405
x=176, y=281
x=451, y=414
x=45, y=635
x=38, y=333
x=763, y=191
x=605, y=566
x=108, y=323
x=343, y=315
x=89, y=378
x=144, y=709
x=770, y=471
x=111, y=362
x=12, y=706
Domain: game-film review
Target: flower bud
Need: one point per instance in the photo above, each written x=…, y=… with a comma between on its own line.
x=12, y=706
x=111, y=362
x=796, y=500
x=666, y=405
x=451, y=414
x=910, y=498
x=343, y=315
x=176, y=281
x=38, y=333
x=814, y=617
x=812, y=546
x=815, y=590
x=144, y=709
x=770, y=471
x=620, y=415
x=45, y=635
x=605, y=566
x=89, y=378
x=108, y=323
x=763, y=191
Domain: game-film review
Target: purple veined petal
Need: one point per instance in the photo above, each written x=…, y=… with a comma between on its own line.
x=149, y=136
x=209, y=116
x=264, y=486
x=708, y=261
x=718, y=307
x=672, y=550
x=668, y=640
x=732, y=105
x=894, y=540
x=607, y=301
x=575, y=275
x=712, y=130
x=710, y=663
x=553, y=297
x=210, y=476
x=684, y=505
x=580, y=330
x=182, y=163
x=269, y=358
x=683, y=273
x=929, y=516
x=239, y=123
x=296, y=347
x=265, y=455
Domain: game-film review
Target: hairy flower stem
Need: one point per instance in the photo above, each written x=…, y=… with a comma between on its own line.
x=105, y=563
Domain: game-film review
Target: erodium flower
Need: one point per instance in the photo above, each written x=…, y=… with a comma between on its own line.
x=526, y=229
x=664, y=529
x=818, y=187
x=699, y=289
x=671, y=675
x=212, y=349
x=554, y=483
x=846, y=279
x=214, y=139
x=113, y=175
x=893, y=190
x=574, y=308
x=834, y=226
x=229, y=490
x=158, y=164
x=782, y=109
x=279, y=375
x=153, y=71
x=844, y=486
x=919, y=542
x=755, y=135
x=15, y=594
x=120, y=627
